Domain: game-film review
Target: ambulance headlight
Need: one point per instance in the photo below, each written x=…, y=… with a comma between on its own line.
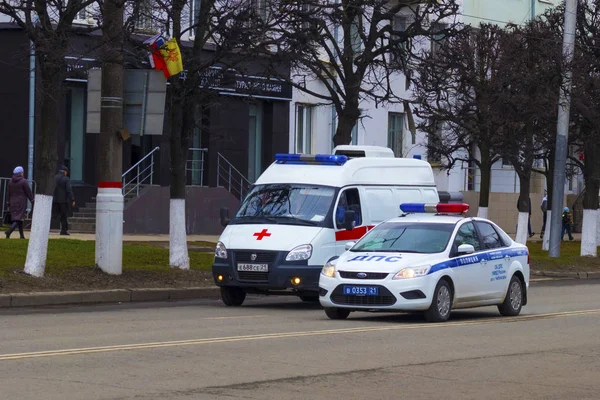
x=409, y=273
x=220, y=250
x=329, y=269
x=300, y=253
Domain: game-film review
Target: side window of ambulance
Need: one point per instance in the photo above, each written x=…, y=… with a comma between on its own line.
x=467, y=235
x=349, y=201
x=489, y=236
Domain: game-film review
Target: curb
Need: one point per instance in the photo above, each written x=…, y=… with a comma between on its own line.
x=107, y=296
x=567, y=275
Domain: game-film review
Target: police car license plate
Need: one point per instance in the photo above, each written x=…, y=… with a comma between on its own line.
x=253, y=267
x=361, y=290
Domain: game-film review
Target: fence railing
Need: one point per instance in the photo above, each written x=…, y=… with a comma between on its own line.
x=231, y=178
x=195, y=166
x=4, y=196
x=139, y=174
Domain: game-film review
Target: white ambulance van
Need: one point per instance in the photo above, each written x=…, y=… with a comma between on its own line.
x=302, y=211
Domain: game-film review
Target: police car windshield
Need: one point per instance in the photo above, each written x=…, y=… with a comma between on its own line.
x=406, y=237
x=291, y=204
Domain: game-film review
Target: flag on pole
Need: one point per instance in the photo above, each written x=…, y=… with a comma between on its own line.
x=172, y=56
x=165, y=55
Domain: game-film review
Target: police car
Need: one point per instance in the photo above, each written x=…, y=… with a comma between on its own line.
x=428, y=260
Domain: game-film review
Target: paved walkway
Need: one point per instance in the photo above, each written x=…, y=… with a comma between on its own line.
x=135, y=238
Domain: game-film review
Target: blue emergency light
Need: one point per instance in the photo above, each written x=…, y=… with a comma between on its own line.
x=319, y=159
x=440, y=208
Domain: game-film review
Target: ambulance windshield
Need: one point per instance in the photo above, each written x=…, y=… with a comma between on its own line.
x=286, y=204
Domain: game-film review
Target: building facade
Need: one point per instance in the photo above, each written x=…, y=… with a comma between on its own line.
x=242, y=129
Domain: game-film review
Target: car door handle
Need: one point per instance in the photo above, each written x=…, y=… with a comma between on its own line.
x=483, y=262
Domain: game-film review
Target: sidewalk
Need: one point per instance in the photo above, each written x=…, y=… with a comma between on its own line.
x=134, y=238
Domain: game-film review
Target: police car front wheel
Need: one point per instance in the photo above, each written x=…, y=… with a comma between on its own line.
x=513, y=302
x=337, y=313
x=441, y=304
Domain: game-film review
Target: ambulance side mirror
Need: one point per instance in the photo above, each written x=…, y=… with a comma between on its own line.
x=349, y=220
x=224, y=217
x=465, y=249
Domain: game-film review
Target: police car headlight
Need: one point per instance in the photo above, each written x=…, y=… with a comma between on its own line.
x=409, y=273
x=300, y=253
x=220, y=250
x=329, y=269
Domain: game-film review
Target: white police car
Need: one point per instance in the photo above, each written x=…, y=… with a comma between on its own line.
x=428, y=260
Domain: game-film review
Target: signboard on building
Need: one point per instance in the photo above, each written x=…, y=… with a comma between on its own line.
x=144, y=96
x=231, y=82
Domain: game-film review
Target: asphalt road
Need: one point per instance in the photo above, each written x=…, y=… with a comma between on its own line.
x=279, y=348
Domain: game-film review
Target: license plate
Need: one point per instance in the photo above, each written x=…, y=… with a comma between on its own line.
x=361, y=290
x=253, y=267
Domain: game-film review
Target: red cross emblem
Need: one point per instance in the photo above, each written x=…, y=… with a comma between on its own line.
x=260, y=235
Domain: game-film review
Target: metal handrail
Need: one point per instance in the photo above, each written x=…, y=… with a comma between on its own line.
x=139, y=179
x=226, y=172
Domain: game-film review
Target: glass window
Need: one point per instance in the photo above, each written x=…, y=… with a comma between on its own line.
x=467, y=235
x=303, y=129
x=399, y=54
x=489, y=236
x=286, y=204
x=349, y=201
x=395, y=125
x=406, y=237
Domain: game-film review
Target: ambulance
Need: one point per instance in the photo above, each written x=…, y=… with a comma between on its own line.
x=302, y=211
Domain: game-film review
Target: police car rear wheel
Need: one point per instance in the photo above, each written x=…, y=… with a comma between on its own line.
x=513, y=302
x=337, y=313
x=232, y=296
x=441, y=306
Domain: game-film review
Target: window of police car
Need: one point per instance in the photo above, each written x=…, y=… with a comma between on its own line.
x=489, y=235
x=467, y=234
x=404, y=237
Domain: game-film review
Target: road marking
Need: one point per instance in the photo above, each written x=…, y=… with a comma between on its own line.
x=238, y=317
x=282, y=335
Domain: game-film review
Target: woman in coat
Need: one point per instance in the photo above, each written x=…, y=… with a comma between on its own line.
x=18, y=193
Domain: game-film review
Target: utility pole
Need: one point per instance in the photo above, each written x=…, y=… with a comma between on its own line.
x=109, y=201
x=562, y=132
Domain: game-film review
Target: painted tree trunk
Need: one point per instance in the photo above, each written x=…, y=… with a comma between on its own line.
x=523, y=207
x=482, y=212
x=35, y=263
x=522, y=228
x=178, y=251
x=546, y=240
x=589, y=240
x=591, y=175
x=45, y=166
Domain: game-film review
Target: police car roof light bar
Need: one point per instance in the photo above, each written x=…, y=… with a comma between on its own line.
x=441, y=208
x=320, y=159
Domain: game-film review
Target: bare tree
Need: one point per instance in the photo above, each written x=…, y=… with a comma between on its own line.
x=48, y=24
x=225, y=32
x=530, y=69
x=354, y=48
x=455, y=92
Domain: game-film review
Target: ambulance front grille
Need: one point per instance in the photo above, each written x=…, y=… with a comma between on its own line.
x=259, y=257
x=249, y=276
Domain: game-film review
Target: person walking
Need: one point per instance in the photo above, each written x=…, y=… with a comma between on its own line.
x=18, y=194
x=566, y=224
x=544, y=207
x=63, y=199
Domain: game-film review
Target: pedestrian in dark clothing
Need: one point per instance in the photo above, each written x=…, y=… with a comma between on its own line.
x=566, y=224
x=63, y=199
x=544, y=208
x=18, y=194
